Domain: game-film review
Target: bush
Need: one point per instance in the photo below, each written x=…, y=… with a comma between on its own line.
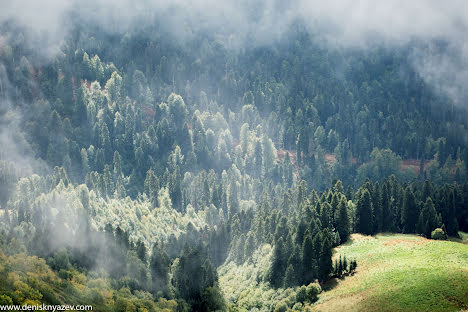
x=438, y=234
x=301, y=295
x=5, y=300
x=65, y=274
x=281, y=307
x=313, y=289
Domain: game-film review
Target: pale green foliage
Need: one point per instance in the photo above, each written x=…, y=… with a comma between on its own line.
x=67, y=208
x=281, y=307
x=141, y=221
x=244, y=137
x=245, y=283
x=113, y=86
x=438, y=234
x=216, y=122
x=312, y=290
x=269, y=153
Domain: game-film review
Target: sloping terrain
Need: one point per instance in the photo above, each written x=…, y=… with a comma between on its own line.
x=400, y=273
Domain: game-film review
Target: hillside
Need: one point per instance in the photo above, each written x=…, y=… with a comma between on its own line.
x=205, y=156
x=30, y=280
x=400, y=272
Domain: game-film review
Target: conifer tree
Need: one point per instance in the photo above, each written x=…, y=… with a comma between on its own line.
x=364, y=213
x=342, y=221
x=387, y=216
x=289, y=277
x=309, y=263
x=325, y=264
x=427, y=221
x=278, y=264
x=409, y=212
x=452, y=224
x=377, y=212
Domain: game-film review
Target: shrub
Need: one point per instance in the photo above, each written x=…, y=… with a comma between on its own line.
x=438, y=234
x=5, y=300
x=313, y=289
x=301, y=295
x=65, y=274
x=281, y=307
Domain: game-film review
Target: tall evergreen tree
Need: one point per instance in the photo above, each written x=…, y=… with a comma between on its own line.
x=325, y=263
x=387, y=215
x=309, y=262
x=364, y=213
x=409, y=212
x=427, y=221
x=278, y=264
x=452, y=224
x=342, y=220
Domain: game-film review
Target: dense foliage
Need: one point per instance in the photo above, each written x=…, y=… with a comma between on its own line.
x=137, y=165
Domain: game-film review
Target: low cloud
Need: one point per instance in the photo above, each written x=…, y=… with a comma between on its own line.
x=342, y=23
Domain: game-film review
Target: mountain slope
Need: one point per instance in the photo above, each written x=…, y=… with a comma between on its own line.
x=400, y=273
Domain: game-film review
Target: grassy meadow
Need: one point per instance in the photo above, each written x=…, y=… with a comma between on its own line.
x=399, y=272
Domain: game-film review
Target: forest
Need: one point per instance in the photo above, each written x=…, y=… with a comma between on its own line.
x=148, y=169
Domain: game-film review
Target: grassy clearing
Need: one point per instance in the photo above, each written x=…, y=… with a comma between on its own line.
x=400, y=273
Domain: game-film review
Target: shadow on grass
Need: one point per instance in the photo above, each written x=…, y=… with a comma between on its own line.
x=330, y=284
x=334, y=281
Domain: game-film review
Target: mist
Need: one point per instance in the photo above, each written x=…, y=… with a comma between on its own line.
x=342, y=24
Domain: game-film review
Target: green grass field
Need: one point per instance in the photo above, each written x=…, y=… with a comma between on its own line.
x=400, y=273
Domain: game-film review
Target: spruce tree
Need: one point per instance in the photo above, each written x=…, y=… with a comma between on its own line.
x=427, y=219
x=342, y=220
x=309, y=263
x=159, y=268
x=452, y=223
x=409, y=212
x=387, y=216
x=289, y=277
x=278, y=264
x=325, y=264
x=377, y=213
x=364, y=213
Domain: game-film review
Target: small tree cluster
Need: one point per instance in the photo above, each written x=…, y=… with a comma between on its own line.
x=341, y=266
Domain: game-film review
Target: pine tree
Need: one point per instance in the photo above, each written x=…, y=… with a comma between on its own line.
x=427, y=219
x=387, y=216
x=258, y=159
x=452, y=223
x=377, y=205
x=342, y=220
x=141, y=250
x=364, y=213
x=340, y=266
x=289, y=277
x=325, y=264
x=325, y=215
x=409, y=212
x=278, y=264
x=309, y=263
x=233, y=199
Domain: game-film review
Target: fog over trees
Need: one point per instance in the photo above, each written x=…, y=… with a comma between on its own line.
x=151, y=149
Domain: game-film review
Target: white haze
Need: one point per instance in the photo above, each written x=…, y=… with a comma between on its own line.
x=343, y=23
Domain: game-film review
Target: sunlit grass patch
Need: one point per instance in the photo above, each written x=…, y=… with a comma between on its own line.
x=401, y=273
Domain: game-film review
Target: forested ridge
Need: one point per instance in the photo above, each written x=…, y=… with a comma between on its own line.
x=135, y=167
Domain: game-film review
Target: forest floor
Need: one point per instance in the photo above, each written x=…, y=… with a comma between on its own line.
x=398, y=272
